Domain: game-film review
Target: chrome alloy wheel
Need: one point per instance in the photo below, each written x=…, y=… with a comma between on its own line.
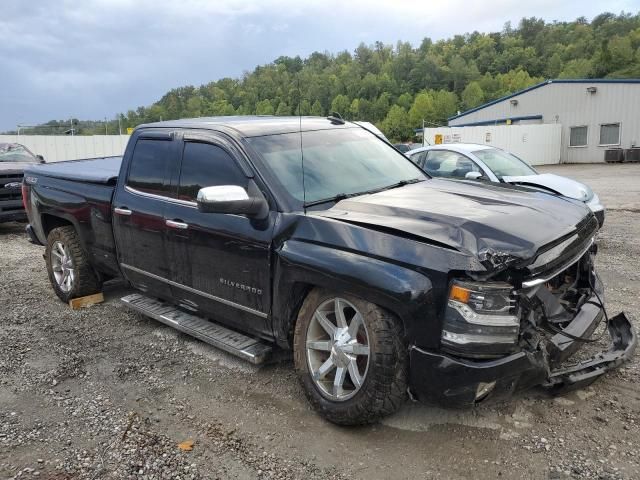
x=62, y=266
x=337, y=349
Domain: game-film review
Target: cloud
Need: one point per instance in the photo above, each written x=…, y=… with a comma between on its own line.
x=95, y=58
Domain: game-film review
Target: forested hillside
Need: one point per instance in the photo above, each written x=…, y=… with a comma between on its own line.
x=397, y=87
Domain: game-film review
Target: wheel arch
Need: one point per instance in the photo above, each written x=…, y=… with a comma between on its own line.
x=301, y=267
x=50, y=221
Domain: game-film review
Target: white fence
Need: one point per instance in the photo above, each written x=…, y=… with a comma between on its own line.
x=536, y=144
x=55, y=148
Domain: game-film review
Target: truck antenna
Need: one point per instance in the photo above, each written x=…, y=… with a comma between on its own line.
x=304, y=189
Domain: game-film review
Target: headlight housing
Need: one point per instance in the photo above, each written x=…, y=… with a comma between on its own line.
x=482, y=319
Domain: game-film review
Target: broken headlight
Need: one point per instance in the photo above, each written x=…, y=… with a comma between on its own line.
x=481, y=319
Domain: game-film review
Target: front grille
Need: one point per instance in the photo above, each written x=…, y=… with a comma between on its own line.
x=11, y=177
x=14, y=193
x=11, y=195
x=560, y=255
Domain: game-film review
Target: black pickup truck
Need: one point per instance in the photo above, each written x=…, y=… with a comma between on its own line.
x=312, y=234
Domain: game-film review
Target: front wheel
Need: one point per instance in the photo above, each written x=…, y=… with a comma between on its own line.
x=70, y=273
x=351, y=358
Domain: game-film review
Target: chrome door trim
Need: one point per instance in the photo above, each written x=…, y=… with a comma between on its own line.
x=193, y=290
x=160, y=197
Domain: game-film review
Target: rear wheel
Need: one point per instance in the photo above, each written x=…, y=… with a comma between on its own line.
x=68, y=266
x=350, y=357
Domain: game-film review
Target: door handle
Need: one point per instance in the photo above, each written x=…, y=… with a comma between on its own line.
x=176, y=224
x=122, y=211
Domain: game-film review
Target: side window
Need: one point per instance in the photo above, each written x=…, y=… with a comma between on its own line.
x=206, y=165
x=418, y=158
x=448, y=164
x=150, y=166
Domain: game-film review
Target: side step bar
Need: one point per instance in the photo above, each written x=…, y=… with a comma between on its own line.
x=221, y=337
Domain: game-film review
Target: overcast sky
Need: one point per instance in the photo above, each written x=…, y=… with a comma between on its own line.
x=94, y=58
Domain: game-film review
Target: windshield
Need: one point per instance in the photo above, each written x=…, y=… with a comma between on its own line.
x=504, y=164
x=343, y=161
x=12, y=152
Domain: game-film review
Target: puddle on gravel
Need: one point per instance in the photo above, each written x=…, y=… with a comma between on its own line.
x=416, y=417
x=212, y=353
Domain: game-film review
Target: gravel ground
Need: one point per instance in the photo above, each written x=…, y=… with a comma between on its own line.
x=106, y=393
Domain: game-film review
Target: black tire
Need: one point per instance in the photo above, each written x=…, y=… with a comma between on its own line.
x=85, y=281
x=384, y=388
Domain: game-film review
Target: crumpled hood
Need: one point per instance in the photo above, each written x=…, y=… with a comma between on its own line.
x=493, y=223
x=560, y=185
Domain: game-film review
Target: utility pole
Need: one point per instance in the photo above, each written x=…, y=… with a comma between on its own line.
x=423, y=132
x=119, y=125
x=105, y=125
x=71, y=123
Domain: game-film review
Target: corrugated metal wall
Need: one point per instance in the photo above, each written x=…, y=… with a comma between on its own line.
x=570, y=104
x=56, y=148
x=535, y=144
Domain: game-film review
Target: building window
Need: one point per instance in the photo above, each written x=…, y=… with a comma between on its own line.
x=610, y=134
x=578, y=136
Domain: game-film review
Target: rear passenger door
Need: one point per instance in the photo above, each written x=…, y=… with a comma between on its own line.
x=220, y=263
x=138, y=212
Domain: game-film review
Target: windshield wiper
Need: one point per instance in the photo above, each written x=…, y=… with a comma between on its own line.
x=343, y=196
x=401, y=183
x=335, y=198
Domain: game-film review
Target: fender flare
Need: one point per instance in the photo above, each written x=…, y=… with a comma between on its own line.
x=300, y=266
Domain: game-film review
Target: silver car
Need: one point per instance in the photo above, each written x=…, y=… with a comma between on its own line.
x=481, y=162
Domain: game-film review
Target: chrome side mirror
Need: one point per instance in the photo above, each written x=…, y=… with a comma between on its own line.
x=233, y=199
x=222, y=193
x=473, y=175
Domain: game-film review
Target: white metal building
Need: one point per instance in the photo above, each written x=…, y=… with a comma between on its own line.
x=595, y=115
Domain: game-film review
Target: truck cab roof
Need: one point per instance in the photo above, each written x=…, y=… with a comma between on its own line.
x=254, y=125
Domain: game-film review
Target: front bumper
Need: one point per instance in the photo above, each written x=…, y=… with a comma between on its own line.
x=451, y=381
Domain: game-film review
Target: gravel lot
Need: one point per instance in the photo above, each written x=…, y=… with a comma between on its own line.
x=105, y=393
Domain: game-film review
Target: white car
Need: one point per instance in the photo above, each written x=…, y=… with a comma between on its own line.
x=470, y=161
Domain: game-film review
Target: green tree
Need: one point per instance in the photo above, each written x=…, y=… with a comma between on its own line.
x=580, y=68
x=316, y=109
x=381, y=107
x=445, y=105
x=405, y=101
x=396, y=124
x=341, y=105
x=422, y=109
x=472, y=95
x=283, y=109
x=264, y=107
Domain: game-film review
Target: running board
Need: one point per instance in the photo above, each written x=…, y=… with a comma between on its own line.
x=221, y=337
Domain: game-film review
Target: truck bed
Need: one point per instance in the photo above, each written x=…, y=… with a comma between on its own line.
x=103, y=170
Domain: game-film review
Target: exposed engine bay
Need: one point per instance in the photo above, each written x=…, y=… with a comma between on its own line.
x=549, y=308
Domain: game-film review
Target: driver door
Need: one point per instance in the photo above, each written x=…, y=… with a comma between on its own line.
x=219, y=263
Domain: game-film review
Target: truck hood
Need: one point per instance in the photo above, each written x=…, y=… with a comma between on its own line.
x=500, y=226
x=555, y=183
x=13, y=167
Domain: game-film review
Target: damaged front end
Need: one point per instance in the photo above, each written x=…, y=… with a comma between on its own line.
x=519, y=327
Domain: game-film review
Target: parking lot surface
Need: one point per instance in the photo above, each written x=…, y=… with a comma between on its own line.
x=106, y=393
